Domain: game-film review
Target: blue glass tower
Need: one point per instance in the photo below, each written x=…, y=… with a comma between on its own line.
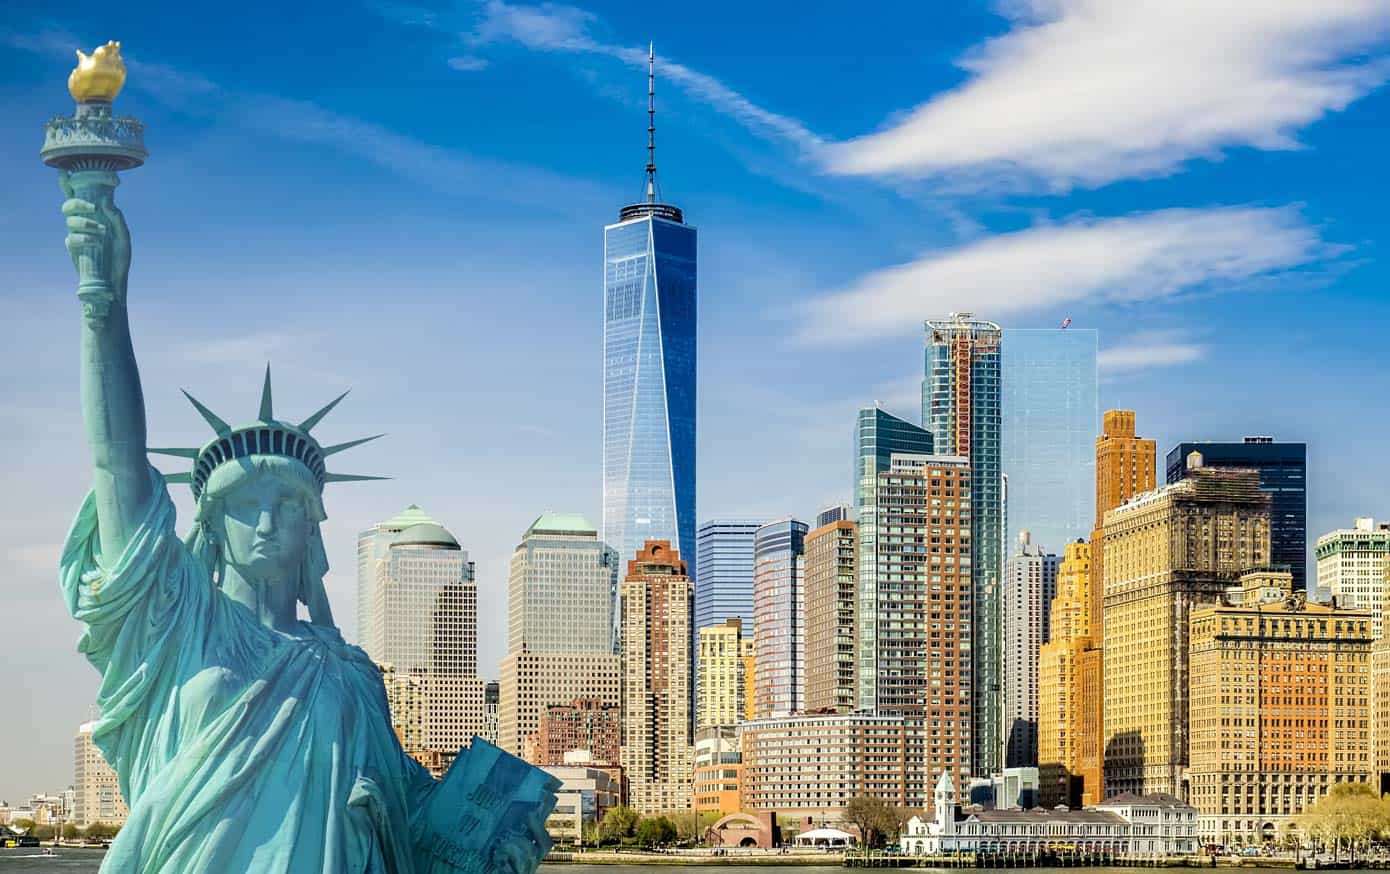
x=1050, y=422
x=649, y=373
x=724, y=572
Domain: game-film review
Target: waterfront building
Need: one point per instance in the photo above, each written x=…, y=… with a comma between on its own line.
x=720, y=672
x=1353, y=564
x=96, y=789
x=1127, y=827
x=1125, y=467
x=1280, y=710
x=1166, y=552
x=371, y=549
x=832, y=571
x=560, y=626
x=724, y=572
x=590, y=725
x=657, y=600
x=718, y=775
x=585, y=795
x=779, y=617
x=649, y=289
x=1050, y=416
x=1030, y=584
x=1283, y=471
x=878, y=437
x=961, y=407
x=922, y=512
x=814, y=764
x=1059, y=700
x=422, y=621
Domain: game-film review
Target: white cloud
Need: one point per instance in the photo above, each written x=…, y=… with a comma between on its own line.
x=1083, y=92
x=1149, y=349
x=467, y=63
x=1148, y=256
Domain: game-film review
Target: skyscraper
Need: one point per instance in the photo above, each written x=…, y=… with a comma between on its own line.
x=877, y=437
x=1030, y=583
x=371, y=547
x=560, y=638
x=657, y=598
x=1049, y=427
x=832, y=571
x=779, y=617
x=96, y=788
x=724, y=572
x=1166, y=552
x=1060, y=711
x=1354, y=568
x=422, y=621
x=720, y=670
x=1125, y=467
x=649, y=371
x=961, y=398
x=1283, y=471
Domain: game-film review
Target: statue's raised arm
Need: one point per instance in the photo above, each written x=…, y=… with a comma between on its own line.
x=88, y=148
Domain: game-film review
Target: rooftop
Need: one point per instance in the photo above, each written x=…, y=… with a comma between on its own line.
x=561, y=523
x=426, y=534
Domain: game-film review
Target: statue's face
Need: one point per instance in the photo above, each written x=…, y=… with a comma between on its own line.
x=266, y=529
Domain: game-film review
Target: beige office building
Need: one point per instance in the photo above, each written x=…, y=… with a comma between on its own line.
x=720, y=669
x=1059, y=700
x=560, y=625
x=96, y=788
x=832, y=572
x=1166, y=552
x=658, y=600
x=1352, y=567
x=1281, y=704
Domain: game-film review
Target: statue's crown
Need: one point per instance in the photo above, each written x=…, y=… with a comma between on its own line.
x=266, y=436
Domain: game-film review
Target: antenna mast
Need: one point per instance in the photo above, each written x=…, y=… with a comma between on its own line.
x=651, y=122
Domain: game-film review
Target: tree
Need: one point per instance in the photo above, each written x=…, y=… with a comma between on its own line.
x=617, y=825
x=43, y=832
x=1349, y=813
x=71, y=831
x=870, y=814
x=656, y=831
x=23, y=825
x=100, y=831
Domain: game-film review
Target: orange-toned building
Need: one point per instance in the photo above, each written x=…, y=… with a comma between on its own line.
x=1280, y=707
x=718, y=780
x=1126, y=465
x=1059, y=713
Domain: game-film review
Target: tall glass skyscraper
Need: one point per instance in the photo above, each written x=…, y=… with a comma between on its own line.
x=724, y=572
x=1050, y=411
x=961, y=401
x=649, y=375
x=779, y=609
x=877, y=437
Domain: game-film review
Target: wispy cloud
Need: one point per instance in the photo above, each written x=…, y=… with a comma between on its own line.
x=1149, y=349
x=1147, y=256
x=1084, y=92
x=467, y=63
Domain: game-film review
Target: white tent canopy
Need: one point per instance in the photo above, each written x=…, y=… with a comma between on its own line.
x=824, y=837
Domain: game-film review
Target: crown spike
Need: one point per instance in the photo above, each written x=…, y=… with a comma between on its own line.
x=176, y=451
x=267, y=414
x=209, y=416
x=339, y=447
x=349, y=478
x=313, y=420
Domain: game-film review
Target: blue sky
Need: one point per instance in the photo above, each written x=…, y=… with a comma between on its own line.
x=409, y=200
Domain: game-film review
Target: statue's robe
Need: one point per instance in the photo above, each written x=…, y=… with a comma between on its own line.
x=239, y=748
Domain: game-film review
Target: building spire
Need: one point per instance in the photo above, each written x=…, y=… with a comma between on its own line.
x=651, y=122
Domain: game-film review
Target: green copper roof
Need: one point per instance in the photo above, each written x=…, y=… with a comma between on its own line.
x=411, y=515
x=561, y=523
x=425, y=534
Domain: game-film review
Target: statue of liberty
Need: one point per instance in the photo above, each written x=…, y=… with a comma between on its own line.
x=246, y=739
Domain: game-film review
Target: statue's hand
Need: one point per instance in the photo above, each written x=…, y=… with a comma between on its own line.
x=98, y=223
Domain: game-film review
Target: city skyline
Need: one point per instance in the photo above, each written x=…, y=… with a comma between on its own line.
x=490, y=463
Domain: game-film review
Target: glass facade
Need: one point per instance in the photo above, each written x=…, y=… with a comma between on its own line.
x=649, y=381
x=724, y=572
x=1283, y=471
x=877, y=436
x=961, y=407
x=1050, y=410
x=779, y=610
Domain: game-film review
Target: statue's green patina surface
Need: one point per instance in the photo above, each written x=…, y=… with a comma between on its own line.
x=245, y=738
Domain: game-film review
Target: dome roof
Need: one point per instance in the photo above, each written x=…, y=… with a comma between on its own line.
x=426, y=534
x=561, y=523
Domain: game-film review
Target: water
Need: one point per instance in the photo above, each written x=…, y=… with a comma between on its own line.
x=75, y=861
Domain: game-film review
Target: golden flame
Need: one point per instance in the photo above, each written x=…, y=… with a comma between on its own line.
x=98, y=76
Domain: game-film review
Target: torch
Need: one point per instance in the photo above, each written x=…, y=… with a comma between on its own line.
x=91, y=145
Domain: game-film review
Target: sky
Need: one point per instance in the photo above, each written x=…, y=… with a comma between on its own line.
x=408, y=201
